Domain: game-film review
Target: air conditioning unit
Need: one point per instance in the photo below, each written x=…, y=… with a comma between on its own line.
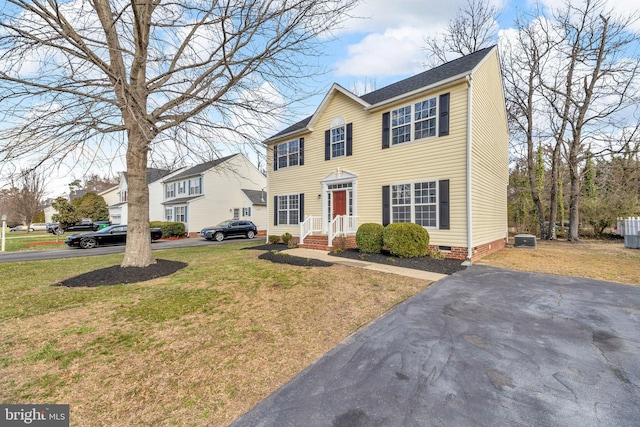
x=525, y=241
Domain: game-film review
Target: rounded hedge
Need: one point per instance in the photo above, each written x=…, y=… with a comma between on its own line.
x=406, y=239
x=369, y=238
x=169, y=229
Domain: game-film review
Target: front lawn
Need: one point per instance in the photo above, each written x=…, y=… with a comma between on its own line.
x=37, y=240
x=199, y=347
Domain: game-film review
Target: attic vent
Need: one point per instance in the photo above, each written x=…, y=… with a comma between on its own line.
x=525, y=241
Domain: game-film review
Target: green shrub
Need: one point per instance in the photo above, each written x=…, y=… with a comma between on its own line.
x=406, y=239
x=274, y=240
x=437, y=254
x=369, y=238
x=286, y=238
x=169, y=229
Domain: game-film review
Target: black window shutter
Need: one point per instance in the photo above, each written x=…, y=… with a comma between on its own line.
x=275, y=157
x=327, y=145
x=301, y=205
x=386, y=123
x=275, y=210
x=386, y=208
x=443, y=195
x=444, y=114
x=349, y=139
x=301, y=151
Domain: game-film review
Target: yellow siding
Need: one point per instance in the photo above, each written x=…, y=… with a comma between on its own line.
x=427, y=159
x=490, y=154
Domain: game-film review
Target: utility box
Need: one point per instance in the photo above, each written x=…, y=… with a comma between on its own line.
x=631, y=241
x=525, y=241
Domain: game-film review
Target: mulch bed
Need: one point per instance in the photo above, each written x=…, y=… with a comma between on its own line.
x=282, y=258
x=116, y=275
x=426, y=263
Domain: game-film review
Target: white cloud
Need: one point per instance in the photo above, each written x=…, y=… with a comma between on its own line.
x=394, y=52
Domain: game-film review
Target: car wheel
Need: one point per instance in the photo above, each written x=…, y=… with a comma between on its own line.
x=218, y=236
x=251, y=234
x=59, y=231
x=88, y=243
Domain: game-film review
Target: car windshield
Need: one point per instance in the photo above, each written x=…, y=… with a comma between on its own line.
x=111, y=228
x=224, y=223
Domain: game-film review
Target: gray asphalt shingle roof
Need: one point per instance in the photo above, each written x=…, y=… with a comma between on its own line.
x=257, y=197
x=202, y=167
x=427, y=78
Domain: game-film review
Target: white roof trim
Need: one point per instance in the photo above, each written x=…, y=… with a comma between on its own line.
x=338, y=175
x=325, y=101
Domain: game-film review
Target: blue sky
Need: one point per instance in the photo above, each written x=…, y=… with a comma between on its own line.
x=380, y=47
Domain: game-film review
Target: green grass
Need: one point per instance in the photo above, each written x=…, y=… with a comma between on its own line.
x=37, y=240
x=198, y=347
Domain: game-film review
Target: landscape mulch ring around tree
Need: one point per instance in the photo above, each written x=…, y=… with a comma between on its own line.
x=116, y=275
x=273, y=253
x=425, y=263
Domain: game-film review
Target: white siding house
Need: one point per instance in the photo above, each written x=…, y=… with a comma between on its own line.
x=210, y=192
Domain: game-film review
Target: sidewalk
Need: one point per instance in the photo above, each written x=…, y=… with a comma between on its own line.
x=324, y=256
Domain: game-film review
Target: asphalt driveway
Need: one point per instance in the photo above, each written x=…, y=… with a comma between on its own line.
x=484, y=347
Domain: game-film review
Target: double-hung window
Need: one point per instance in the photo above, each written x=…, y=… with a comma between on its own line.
x=337, y=142
x=168, y=214
x=415, y=202
x=170, y=190
x=195, y=186
x=181, y=214
x=288, y=209
x=415, y=121
x=288, y=154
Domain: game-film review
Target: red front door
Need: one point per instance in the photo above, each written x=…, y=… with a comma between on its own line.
x=339, y=203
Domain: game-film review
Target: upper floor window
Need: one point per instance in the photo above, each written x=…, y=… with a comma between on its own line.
x=182, y=187
x=424, y=119
x=195, y=186
x=288, y=154
x=170, y=190
x=337, y=141
x=123, y=196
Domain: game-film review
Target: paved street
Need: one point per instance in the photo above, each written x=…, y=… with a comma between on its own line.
x=102, y=250
x=485, y=347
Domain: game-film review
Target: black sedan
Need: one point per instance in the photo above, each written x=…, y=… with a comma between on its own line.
x=112, y=235
x=230, y=228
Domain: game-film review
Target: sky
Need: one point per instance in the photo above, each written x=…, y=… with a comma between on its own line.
x=380, y=44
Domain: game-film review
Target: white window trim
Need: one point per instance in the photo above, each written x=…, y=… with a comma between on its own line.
x=277, y=153
x=288, y=209
x=413, y=205
x=412, y=122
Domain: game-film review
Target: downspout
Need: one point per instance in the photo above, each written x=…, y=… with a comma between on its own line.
x=469, y=184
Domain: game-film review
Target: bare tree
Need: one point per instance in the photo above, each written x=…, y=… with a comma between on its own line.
x=593, y=80
x=27, y=192
x=76, y=73
x=473, y=28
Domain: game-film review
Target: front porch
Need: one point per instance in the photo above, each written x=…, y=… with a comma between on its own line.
x=315, y=235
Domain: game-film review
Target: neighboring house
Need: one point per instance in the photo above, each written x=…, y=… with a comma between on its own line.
x=210, y=192
x=110, y=195
x=431, y=149
x=118, y=211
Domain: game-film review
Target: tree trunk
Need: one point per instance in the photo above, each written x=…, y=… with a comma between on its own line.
x=138, y=251
x=553, y=203
x=574, y=196
x=535, y=196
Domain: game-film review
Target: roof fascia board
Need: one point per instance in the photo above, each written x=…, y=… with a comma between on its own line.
x=325, y=101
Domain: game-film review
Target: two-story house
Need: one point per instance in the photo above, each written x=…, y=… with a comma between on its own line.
x=205, y=194
x=431, y=149
x=118, y=211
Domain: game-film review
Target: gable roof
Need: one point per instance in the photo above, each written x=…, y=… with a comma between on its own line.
x=445, y=72
x=256, y=197
x=199, y=169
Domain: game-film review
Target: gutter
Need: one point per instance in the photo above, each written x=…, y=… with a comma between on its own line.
x=469, y=177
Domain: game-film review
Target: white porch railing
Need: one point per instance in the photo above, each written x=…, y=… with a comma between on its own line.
x=310, y=225
x=342, y=225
